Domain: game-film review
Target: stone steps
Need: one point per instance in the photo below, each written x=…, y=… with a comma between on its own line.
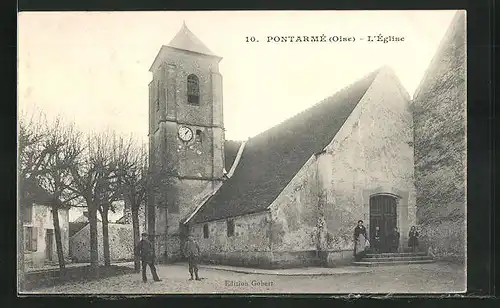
x=388, y=263
x=397, y=258
x=393, y=258
x=395, y=254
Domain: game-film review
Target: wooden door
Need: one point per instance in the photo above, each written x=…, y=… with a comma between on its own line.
x=383, y=214
x=49, y=244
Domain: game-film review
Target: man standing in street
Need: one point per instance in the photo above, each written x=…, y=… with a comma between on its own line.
x=145, y=250
x=192, y=252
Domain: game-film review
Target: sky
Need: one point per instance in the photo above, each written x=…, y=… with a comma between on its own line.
x=91, y=68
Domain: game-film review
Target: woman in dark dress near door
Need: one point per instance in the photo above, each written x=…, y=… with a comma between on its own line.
x=360, y=241
x=413, y=239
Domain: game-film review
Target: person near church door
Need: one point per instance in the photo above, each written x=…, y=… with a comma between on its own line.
x=395, y=238
x=413, y=239
x=192, y=252
x=360, y=241
x=376, y=239
x=145, y=250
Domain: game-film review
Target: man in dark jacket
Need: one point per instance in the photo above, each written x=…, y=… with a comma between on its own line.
x=395, y=240
x=146, y=250
x=192, y=252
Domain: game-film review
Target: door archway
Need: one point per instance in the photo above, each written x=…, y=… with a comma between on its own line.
x=383, y=213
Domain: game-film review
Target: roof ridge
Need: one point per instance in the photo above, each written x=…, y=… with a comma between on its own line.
x=185, y=39
x=271, y=159
x=325, y=100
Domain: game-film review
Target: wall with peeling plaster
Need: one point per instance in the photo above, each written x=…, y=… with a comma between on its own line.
x=295, y=214
x=371, y=154
x=121, y=243
x=42, y=220
x=249, y=246
x=440, y=146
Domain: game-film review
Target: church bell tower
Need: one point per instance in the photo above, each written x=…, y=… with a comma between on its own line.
x=186, y=137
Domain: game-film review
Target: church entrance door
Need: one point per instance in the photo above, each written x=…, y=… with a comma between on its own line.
x=383, y=215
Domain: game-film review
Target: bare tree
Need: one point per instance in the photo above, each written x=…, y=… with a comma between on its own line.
x=88, y=179
x=62, y=143
x=109, y=189
x=30, y=163
x=133, y=177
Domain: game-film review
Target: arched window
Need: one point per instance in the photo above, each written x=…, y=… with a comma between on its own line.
x=193, y=89
x=205, y=231
x=199, y=136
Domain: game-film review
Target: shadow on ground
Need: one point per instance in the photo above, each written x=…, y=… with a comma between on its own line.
x=50, y=278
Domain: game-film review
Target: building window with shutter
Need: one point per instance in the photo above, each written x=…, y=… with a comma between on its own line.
x=27, y=213
x=193, y=89
x=205, y=231
x=31, y=239
x=230, y=228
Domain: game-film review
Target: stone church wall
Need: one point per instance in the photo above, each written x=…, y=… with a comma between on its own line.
x=440, y=145
x=371, y=154
x=249, y=246
x=294, y=220
x=188, y=194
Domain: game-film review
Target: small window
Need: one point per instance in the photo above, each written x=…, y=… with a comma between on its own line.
x=30, y=239
x=199, y=136
x=230, y=228
x=205, y=231
x=193, y=89
x=158, y=95
x=27, y=213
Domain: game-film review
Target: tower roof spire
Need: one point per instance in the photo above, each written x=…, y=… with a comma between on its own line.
x=186, y=40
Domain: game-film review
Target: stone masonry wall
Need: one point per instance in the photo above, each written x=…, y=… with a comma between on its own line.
x=249, y=246
x=120, y=241
x=440, y=145
x=371, y=154
x=294, y=213
x=189, y=167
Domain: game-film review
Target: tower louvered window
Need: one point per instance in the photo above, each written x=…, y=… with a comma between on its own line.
x=193, y=89
x=157, y=95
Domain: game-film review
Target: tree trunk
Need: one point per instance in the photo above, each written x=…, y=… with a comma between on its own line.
x=105, y=236
x=57, y=232
x=135, y=228
x=94, y=248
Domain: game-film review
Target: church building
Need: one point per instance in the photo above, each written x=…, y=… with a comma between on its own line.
x=292, y=195
x=289, y=196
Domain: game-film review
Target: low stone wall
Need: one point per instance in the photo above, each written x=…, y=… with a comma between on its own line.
x=121, y=243
x=336, y=258
x=263, y=259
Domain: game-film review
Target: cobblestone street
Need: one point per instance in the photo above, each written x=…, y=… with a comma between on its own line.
x=418, y=278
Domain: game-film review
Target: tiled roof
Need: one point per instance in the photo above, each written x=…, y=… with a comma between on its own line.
x=230, y=150
x=85, y=217
x=186, y=40
x=74, y=227
x=271, y=159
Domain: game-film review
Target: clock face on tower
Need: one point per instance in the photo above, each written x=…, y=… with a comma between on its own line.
x=185, y=133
